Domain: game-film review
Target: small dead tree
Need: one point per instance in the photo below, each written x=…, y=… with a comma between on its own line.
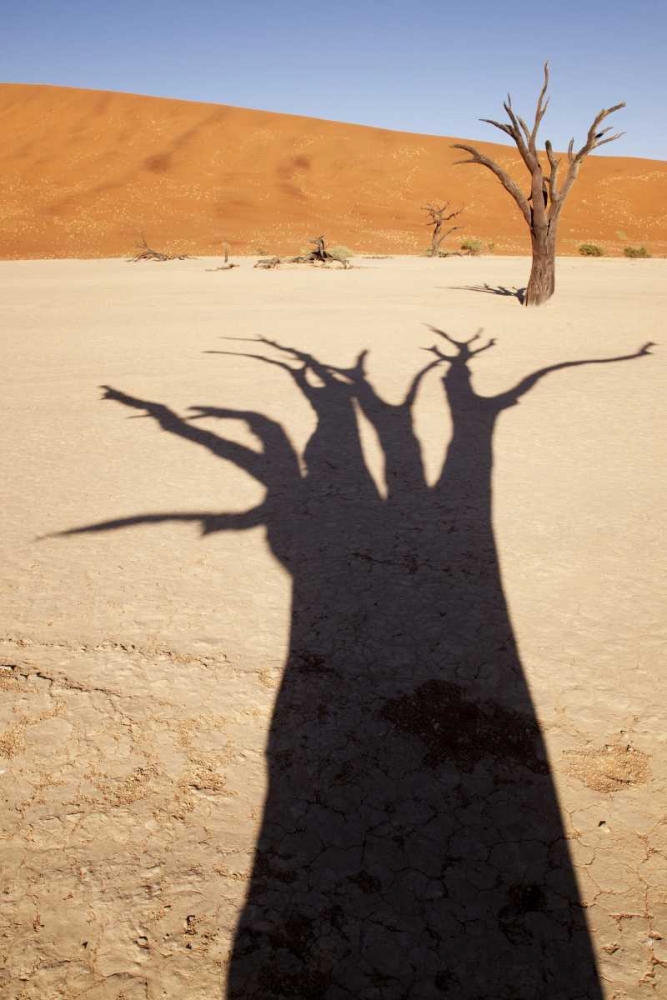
x=226, y=265
x=147, y=253
x=438, y=218
x=320, y=255
x=542, y=207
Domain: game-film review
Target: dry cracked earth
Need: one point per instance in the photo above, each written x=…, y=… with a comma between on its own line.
x=127, y=850
x=332, y=750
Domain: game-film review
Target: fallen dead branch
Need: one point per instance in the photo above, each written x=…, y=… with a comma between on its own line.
x=147, y=253
x=268, y=262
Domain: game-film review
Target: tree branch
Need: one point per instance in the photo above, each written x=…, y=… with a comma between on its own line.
x=437, y=213
x=510, y=186
x=554, y=164
x=594, y=140
x=503, y=126
x=540, y=110
x=465, y=352
x=245, y=458
x=209, y=520
x=512, y=396
x=517, y=128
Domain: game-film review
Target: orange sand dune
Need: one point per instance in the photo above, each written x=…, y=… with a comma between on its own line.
x=83, y=173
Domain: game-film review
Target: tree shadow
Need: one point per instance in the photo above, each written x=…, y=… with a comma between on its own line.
x=503, y=290
x=411, y=843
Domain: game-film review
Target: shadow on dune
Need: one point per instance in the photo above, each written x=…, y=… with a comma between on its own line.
x=411, y=843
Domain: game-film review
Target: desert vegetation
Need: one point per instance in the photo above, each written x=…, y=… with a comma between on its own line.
x=590, y=250
x=471, y=246
x=636, y=252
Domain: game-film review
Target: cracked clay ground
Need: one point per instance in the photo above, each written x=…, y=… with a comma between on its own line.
x=320, y=722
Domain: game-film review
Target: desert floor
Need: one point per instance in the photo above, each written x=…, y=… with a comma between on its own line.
x=140, y=665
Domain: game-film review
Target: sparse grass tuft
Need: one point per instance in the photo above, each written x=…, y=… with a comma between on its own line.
x=343, y=252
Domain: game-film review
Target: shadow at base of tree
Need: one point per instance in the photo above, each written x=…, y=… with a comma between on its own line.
x=411, y=843
x=502, y=290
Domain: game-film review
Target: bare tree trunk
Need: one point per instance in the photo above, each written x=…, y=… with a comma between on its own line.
x=542, y=281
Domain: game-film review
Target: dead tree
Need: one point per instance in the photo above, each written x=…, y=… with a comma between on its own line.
x=438, y=218
x=147, y=253
x=320, y=255
x=542, y=207
x=226, y=265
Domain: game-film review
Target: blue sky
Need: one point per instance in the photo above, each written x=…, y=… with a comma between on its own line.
x=431, y=66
